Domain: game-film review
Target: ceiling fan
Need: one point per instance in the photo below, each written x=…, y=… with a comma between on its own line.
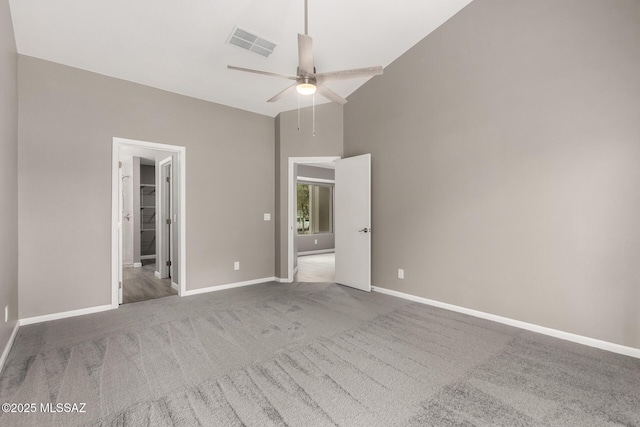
x=307, y=81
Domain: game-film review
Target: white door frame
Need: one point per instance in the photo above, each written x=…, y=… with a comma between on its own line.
x=116, y=241
x=291, y=206
x=120, y=245
x=166, y=212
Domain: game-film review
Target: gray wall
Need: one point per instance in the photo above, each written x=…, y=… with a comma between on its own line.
x=68, y=118
x=506, y=153
x=8, y=174
x=306, y=243
x=147, y=174
x=136, y=209
x=290, y=142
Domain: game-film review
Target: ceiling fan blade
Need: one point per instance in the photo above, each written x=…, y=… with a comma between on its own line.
x=305, y=55
x=280, y=95
x=350, y=74
x=330, y=95
x=264, y=73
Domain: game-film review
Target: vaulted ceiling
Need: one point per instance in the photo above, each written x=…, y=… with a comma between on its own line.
x=181, y=46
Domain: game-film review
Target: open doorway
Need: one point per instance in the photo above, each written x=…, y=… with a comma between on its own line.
x=142, y=213
x=314, y=243
x=302, y=246
x=351, y=218
x=148, y=209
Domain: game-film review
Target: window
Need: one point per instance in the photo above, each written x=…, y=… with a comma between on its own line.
x=315, y=208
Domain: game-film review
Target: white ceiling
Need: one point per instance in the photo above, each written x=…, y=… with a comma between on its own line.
x=180, y=46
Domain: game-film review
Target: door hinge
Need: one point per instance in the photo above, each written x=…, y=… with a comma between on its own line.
x=168, y=221
x=168, y=263
x=168, y=179
x=120, y=285
x=119, y=165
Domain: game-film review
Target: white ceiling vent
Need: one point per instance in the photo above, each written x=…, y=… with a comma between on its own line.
x=251, y=42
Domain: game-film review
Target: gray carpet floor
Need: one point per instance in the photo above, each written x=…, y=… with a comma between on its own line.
x=310, y=355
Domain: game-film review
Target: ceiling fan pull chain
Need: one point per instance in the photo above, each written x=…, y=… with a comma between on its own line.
x=298, y=112
x=313, y=113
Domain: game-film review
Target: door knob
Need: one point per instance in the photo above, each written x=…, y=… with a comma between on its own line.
x=365, y=230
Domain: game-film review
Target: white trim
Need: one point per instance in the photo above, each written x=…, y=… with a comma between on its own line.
x=290, y=204
x=281, y=280
x=320, y=180
x=157, y=274
x=319, y=251
x=229, y=286
x=7, y=348
x=162, y=214
x=181, y=162
x=175, y=286
x=132, y=265
x=567, y=336
x=65, y=314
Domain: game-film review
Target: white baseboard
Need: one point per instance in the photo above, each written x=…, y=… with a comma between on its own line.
x=319, y=251
x=157, y=274
x=281, y=280
x=65, y=314
x=567, y=336
x=7, y=348
x=175, y=286
x=132, y=265
x=228, y=286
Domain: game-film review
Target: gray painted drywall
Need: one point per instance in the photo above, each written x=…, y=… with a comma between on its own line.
x=136, y=209
x=506, y=178
x=68, y=118
x=290, y=142
x=305, y=243
x=147, y=174
x=8, y=175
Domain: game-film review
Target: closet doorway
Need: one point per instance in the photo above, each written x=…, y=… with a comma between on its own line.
x=148, y=219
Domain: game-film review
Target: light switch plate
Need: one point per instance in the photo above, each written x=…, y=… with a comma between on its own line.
x=401, y=273
x=267, y=217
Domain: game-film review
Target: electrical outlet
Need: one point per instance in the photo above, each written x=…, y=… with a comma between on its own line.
x=6, y=313
x=267, y=217
x=315, y=242
x=401, y=273
x=236, y=265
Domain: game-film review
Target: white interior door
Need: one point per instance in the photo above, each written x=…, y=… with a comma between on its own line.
x=165, y=226
x=353, y=222
x=168, y=206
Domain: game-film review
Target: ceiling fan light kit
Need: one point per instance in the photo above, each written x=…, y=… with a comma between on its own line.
x=306, y=86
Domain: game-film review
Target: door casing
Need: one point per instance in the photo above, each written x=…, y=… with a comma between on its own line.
x=116, y=236
x=291, y=206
